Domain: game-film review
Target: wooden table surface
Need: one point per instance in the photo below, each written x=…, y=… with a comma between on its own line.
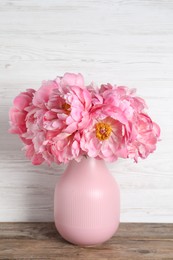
x=41, y=241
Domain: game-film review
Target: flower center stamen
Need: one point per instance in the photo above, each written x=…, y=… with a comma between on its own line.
x=103, y=130
x=66, y=107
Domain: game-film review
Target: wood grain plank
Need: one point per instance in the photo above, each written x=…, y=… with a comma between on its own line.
x=41, y=241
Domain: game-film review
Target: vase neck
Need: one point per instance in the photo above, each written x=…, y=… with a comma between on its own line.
x=91, y=164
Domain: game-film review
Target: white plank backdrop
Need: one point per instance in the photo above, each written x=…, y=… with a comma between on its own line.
x=117, y=41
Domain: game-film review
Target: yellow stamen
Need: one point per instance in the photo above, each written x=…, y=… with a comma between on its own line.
x=103, y=130
x=66, y=107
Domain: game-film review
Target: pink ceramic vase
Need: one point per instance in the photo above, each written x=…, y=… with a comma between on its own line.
x=87, y=203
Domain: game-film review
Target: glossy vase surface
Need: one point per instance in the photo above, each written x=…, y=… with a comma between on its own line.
x=86, y=203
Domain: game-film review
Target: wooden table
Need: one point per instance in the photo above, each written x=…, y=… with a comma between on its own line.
x=41, y=241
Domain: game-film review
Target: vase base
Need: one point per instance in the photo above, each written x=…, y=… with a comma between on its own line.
x=86, y=238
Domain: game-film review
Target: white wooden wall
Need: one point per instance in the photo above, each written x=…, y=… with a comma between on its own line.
x=117, y=41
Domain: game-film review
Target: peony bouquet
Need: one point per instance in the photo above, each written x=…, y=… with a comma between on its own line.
x=65, y=120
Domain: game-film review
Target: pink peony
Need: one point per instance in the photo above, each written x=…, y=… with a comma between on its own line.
x=105, y=139
x=42, y=95
x=57, y=111
x=18, y=112
x=66, y=147
x=117, y=122
x=70, y=80
x=147, y=135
